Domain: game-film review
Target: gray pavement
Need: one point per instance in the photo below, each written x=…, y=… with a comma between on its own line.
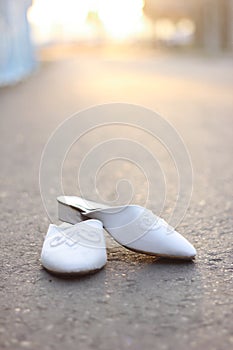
x=136, y=302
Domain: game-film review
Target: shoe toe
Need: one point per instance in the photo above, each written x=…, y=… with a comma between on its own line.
x=164, y=243
x=74, y=249
x=73, y=261
x=180, y=246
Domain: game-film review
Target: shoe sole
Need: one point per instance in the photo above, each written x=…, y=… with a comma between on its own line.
x=68, y=275
x=185, y=258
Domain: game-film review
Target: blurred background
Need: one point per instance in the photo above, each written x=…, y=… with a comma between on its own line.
x=58, y=57
x=31, y=29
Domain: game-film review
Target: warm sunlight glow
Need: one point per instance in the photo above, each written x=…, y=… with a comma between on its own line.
x=121, y=18
x=78, y=19
x=57, y=19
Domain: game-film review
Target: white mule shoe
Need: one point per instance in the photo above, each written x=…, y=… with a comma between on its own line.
x=74, y=249
x=133, y=226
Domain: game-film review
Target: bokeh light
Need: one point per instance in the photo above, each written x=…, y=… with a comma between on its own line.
x=80, y=20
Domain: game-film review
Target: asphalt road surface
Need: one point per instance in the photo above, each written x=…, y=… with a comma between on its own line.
x=136, y=302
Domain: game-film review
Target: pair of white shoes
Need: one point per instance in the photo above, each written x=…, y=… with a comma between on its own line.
x=78, y=245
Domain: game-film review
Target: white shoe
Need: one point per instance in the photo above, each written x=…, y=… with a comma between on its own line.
x=74, y=249
x=133, y=226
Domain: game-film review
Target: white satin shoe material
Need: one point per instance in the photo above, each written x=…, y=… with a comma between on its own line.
x=132, y=226
x=74, y=249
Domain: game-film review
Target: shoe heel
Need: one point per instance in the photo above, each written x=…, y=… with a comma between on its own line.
x=69, y=214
